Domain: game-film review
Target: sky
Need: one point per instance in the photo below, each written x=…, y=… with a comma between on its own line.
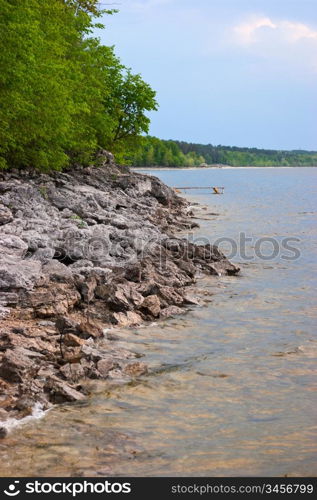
x=230, y=72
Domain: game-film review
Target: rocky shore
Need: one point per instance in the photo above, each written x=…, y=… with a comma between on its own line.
x=81, y=252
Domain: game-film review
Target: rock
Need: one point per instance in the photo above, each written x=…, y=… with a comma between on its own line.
x=18, y=275
x=72, y=340
x=190, y=299
x=161, y=192
x=29, y=346
x=12, y=246
x=91, y=354
x=54, y=301
x=148, y=287
x=46, y=323
x=104, y=158
x=133, y=272
x=57, y=271
x=46, y=371
x=223, y=267
x=4, y=311
x=90, y=328
x=188, y=267
x=130, y=318
x=44, y=255
x=120, y=297
x=61, y=392
x=118, y=376
x=72, y=371
x=105, y=365
x=118, y=300
x=135, y=297
x=171, y=311
x=120, y=222
x=168, y=295
x=66, y=325
x=25, y=404
x=14, y=365
x=102, y=292
x=4, y=415
x=135, y=369
x=87, y=289
x=5, y=215
x=4, y=387
x=3, y=432
x=19, y=330
x=71, y=354
x=151, y=305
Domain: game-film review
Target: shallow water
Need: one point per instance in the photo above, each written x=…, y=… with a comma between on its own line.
x=233, y=381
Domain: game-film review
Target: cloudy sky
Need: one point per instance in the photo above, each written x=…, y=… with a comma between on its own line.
x=231, y=72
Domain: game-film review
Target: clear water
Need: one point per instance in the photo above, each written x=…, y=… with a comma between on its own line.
x=233, y=385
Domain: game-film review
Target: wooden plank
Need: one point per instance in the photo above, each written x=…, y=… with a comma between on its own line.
x=197, y=187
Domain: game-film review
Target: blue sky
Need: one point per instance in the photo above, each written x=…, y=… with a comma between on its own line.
x=231, y=72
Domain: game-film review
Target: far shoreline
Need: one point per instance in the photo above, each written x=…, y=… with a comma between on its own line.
x=225, y=167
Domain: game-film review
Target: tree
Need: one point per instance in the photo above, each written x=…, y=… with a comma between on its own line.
x=127, y=104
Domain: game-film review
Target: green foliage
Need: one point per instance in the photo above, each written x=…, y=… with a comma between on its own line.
x=62, y=94
x=130, y=98
x=43, y=191
x=80, y=222
x=157, y=152
x=235, y=156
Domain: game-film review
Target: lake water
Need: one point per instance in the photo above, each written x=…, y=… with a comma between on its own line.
x=232, y=391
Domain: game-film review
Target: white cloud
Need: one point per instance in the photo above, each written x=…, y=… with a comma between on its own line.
x=279, y=42
x=297, y=31
x=245, y=33
x=257, y=28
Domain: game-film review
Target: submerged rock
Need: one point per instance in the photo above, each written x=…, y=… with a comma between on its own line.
x=135, y=369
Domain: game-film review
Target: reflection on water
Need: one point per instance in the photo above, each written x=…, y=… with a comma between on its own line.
x=232, y=385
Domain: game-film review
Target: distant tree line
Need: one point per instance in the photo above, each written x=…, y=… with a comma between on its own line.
x=236, y=156
x=157, y=152
x=63, y=95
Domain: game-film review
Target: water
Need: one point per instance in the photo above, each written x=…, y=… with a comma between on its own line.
x=232, y=392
